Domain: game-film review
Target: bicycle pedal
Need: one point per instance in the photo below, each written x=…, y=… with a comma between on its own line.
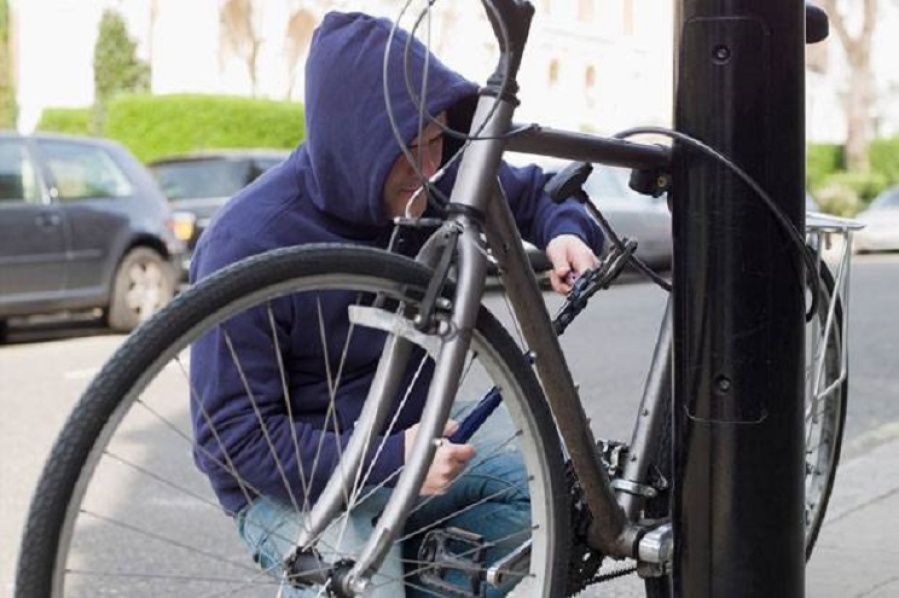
x=453, y=562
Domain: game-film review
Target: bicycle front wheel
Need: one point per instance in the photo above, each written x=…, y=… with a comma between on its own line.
x=121, y=507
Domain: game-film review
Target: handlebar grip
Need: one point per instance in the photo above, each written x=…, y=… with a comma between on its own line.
x=817, y=25
x=516, y=16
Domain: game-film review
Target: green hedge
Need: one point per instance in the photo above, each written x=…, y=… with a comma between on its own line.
x=822, y=160
x=884, y=154
x=75, y=121
x=845, y=193
x=156, y=126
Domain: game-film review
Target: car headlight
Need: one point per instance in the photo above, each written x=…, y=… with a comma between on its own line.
x=183, y=225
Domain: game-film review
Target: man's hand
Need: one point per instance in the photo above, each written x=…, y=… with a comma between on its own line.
x=569, y=256
x=449, y=460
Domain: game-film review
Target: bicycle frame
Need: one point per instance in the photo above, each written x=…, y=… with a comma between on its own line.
x=478, y=210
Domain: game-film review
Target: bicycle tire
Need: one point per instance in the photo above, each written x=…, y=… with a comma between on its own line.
x=56, y=539
x=821, y=460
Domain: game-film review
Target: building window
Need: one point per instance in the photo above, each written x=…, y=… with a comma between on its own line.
x=585, y=11
x=627, y=7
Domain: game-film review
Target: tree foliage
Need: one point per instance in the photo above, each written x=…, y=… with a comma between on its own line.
x=117, y=68
x=7, y=83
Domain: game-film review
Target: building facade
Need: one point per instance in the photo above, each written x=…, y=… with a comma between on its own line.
x=594, y=65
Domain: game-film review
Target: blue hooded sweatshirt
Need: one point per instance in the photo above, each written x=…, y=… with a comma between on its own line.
x=329, y=190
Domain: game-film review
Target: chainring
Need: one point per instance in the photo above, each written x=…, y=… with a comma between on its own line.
x=585, y=562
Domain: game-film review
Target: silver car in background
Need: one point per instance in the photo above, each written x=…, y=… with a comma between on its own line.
x=881, y=219
x=642, y=218
x=633, y=215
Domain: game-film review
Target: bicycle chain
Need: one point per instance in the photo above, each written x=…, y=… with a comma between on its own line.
x=583, y=561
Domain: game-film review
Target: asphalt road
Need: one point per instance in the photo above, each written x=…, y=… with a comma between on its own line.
x=44, y=369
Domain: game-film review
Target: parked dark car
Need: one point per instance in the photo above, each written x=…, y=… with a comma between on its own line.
x=198, y=184
x=83, y=225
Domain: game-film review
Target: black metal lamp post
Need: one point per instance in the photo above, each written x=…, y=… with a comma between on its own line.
x=739, y=302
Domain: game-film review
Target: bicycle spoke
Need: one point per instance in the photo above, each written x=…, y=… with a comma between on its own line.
x=465, y=509
x=245, y=486
x=288, y=408
x=390, y=427
x=169, y=577
x=494, y=452
x=260, y=419
x=169, y=541
x=242, y=484
x=155, y=490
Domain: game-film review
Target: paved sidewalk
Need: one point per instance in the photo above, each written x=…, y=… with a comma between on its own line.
x=857, y=554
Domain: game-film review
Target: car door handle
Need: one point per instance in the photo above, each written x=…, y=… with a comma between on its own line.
x=50, y=220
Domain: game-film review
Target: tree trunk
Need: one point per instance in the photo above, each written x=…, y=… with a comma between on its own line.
x=860, y=92
x=858, y=118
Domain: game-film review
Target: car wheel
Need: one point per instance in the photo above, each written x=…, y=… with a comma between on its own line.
x=143, y=285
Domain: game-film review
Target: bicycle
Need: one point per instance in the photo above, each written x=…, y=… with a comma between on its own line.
x=589, y=501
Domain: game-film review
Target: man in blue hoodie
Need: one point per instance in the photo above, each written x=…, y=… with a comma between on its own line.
x=346, y=183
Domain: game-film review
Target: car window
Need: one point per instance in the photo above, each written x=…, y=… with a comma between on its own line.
x=18, y=176
x=264, y=164
x=83, y=171
x=609, y=187
x=202, y=179
x=890, y=199
x=606, y=185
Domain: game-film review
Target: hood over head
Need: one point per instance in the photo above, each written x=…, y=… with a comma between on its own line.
x=349, y=140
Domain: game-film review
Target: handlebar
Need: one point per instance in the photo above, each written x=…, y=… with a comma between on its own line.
x=511, y=22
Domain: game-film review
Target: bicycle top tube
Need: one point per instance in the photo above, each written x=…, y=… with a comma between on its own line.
x=569, y=145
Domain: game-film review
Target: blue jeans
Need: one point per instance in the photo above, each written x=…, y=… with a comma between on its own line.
x=269, y=527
